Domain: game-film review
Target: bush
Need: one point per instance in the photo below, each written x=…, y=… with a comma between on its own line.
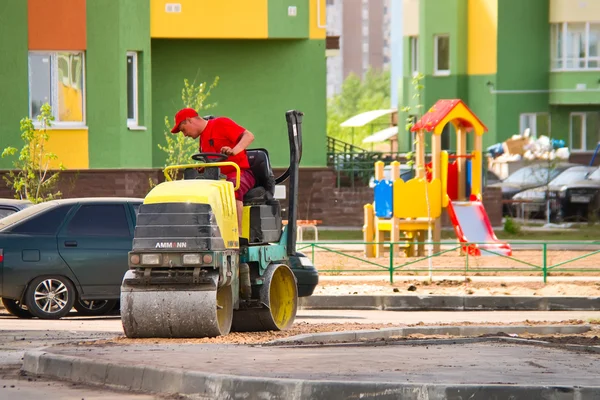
x=511, y=227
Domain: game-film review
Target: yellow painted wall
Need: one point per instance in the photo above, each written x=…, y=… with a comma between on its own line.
x=410, y=17
x=221, y=19
x=483, y=37
x=71, y=147
x=315, y=21
x=574, y=10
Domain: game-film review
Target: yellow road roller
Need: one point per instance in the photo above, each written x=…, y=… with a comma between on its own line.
x=192, y=274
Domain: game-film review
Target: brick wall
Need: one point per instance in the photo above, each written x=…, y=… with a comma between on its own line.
x=318, y=197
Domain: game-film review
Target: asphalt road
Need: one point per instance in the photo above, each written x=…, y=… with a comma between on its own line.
x=18, y=335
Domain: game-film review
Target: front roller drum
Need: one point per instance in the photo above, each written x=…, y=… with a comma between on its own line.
x=279, y=298
x=165, y=312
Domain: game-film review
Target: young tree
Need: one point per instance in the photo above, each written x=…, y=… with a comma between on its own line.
x=32, y=179
x=179, y=148
x=370, y=93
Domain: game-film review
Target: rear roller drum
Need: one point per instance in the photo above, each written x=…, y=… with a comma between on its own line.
x=279, y=296
x=191, y=312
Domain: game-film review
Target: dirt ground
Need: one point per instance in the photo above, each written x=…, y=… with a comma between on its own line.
x=461, y=287
x=590, y=338
x=522, y=262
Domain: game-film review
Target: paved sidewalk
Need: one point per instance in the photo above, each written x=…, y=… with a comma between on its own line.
x=439, y=369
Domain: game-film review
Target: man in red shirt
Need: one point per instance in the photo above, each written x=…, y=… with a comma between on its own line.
x=221, y=135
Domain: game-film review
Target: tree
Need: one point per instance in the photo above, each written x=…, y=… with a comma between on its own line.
x=179, y=148
x=31, y=179
x=371, y=93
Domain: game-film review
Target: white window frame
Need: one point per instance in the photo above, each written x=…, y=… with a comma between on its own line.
x=440, y=72
x=533, y=130
x=53, y=89
x=562, y=32
x=414, y=55
x=583, y=133
x=134, y=122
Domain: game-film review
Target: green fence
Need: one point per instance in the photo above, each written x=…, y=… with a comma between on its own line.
x=532, y=257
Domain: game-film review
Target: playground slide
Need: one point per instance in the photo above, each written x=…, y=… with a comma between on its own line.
x=472, y=225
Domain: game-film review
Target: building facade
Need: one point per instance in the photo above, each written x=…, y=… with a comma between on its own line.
x=112, y=70
x=517, y=64
x=365, y=30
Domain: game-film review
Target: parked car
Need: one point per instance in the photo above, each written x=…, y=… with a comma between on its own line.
x=580, y=199
x=406, y=173
x=11, y=206
x=528, y=177
x=555, y=191
x=74, y=253
x=66, y=253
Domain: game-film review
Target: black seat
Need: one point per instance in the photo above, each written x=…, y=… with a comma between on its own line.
x=264, y=189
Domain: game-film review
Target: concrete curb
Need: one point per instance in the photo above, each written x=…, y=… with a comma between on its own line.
x=449, y=303
x=206, y=385
x=386, y=333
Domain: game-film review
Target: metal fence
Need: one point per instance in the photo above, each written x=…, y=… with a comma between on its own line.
x=568, y=258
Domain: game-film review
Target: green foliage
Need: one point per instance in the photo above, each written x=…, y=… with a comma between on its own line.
x=511, y=227
x=179, y=148
x=413, y=114
x=31, y=178
x=372, y=93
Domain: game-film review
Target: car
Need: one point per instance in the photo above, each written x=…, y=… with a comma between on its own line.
x=528, y=177
x=581, y=199
x=554, y=191
x=11, y=206
x=406, y=173
x=70, y=253
x=66, y=253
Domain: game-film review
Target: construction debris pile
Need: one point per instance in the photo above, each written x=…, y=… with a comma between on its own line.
x=525, y=147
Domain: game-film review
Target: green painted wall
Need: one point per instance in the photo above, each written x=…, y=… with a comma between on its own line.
x=14, y=96
x=522, y=64
x=444, y=17
x=281, y=25
x=259, y=81
x=560, y=121
x=111, y=32
x=569, y=81
x=483, y=104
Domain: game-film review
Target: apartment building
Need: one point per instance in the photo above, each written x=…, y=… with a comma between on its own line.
x=517, y=64
x=364, y=27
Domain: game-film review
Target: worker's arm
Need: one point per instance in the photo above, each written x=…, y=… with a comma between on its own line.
x=245, y=140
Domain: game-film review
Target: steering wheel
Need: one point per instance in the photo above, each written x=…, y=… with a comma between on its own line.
x=204, y=157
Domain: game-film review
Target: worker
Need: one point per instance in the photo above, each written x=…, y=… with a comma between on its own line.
x=221, y=135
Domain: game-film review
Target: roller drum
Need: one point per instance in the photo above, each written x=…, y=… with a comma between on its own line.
x=170, y=312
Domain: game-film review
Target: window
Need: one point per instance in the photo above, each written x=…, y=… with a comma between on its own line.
x=132, y=89
x=575, y=46
x=537, y=123
x=57, y=79
x=46, y=223
x=414, y=55
x=441, y=55
x=584, y=130
x=99, y=220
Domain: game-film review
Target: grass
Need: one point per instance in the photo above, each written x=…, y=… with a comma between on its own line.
x=584, y=233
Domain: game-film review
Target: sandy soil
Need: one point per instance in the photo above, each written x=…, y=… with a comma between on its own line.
x=256, y=338
x=522, y=262
x=460, y=288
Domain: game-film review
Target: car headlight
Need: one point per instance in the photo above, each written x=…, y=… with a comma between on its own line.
x=192, y=259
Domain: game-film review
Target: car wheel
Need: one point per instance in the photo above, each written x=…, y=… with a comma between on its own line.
x=15, y=308
x=94, y=307
x=50, y=297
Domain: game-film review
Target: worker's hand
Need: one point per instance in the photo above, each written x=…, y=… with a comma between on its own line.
x=227, y=150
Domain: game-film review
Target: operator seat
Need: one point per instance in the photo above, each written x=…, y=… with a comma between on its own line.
x=263, y=191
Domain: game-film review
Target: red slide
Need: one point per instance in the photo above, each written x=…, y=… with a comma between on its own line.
x=472, y=227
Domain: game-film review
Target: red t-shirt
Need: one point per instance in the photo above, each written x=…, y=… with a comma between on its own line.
x=220, y=132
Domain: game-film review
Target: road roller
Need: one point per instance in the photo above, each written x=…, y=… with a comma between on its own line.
x=192, y=274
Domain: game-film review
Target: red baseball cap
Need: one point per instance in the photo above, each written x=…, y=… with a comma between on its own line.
x=181, y=116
